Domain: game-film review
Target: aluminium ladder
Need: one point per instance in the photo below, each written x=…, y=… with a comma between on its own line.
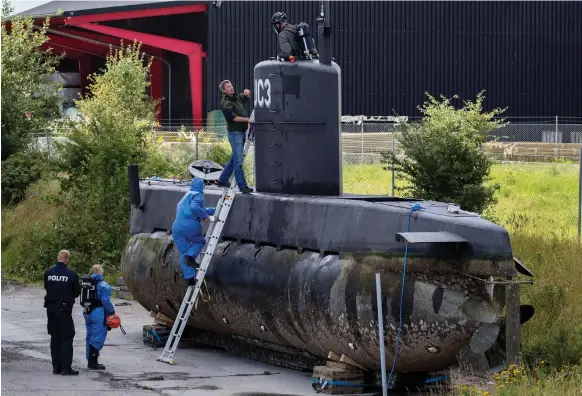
x=215, y=232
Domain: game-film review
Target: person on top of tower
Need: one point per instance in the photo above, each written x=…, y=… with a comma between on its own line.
x=288, y=43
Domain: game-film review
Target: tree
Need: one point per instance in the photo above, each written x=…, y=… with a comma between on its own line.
x=443, y=157
x=29, y=101
x=115, y=129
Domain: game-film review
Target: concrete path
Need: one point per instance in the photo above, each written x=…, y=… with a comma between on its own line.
x=131, y=366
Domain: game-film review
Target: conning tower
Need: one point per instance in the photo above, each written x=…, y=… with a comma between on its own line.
x=297, y=115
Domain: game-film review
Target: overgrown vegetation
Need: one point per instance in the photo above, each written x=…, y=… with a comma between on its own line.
x=29, y=101
x=537, y=205
x=19, y=172
x=116, y=129
x=539, y=380
x=443, y=157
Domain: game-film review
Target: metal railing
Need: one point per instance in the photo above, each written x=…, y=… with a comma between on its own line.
x=527, y=139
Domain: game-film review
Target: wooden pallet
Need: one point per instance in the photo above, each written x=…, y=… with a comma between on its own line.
x=155, y=335
x=339, y=381
x=440, y=382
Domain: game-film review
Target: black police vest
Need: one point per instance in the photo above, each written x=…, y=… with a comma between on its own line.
x=60, y=284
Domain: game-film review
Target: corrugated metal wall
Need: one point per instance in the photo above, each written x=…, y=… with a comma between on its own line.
x=526, y=55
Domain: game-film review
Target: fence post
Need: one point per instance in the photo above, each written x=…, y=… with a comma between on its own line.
x=393, y=178
x=362, y=132
x=580, y=196
x=197, y=144
x=48, y=143
x=556, y=140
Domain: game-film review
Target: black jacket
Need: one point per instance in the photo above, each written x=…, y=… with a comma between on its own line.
x=232, y=106
x=288, y=43
x=61, y=285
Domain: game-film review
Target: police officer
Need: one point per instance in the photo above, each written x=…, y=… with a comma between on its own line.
x=288, y=44
x=62, y=287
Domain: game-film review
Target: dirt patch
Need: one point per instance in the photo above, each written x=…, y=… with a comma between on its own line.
x=11, y=286
x=483, y=384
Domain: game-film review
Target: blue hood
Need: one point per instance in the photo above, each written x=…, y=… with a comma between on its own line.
x=197, y=185
x=97, y=276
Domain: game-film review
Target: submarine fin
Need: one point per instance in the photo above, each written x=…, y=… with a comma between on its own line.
x=429, y=237
x=471, y=362
x=522, y=269
x=484, y=337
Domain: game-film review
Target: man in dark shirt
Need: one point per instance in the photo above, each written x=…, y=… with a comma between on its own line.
x=237, y=122
x=288, y=44
x=62, y=288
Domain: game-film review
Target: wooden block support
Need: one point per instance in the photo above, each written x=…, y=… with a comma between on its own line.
x=338, y=380
x=341, y=365
x=348, y=360
x=512, y=324
x=162, y=319
x=155, y=335
x=333, y=356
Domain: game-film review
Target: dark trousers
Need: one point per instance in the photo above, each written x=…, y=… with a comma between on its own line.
x=62, y=330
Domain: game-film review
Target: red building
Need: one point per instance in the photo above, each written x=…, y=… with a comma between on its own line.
x=84, y=31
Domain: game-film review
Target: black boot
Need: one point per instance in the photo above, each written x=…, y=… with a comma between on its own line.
x=93, y=359
x=69, y=372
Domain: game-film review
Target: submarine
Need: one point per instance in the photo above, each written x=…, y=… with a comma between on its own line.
x=293, y=277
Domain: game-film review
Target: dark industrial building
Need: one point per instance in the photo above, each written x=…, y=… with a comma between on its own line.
x=527, y=55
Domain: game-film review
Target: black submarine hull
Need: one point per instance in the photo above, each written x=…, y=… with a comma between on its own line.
x=298, y=273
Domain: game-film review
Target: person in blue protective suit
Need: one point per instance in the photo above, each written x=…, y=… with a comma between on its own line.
x=187, y=230
x=95, y=316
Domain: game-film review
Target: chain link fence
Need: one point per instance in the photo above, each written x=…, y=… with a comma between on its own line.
x=363, y=139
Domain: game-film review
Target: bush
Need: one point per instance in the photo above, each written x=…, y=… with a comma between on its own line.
x=443, y=156
x=219, y=153
x=19, y=172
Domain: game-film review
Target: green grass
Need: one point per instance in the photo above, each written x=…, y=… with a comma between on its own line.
x=34, y=214
x=367, y=180
x=538, y=381
x=538, y=199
